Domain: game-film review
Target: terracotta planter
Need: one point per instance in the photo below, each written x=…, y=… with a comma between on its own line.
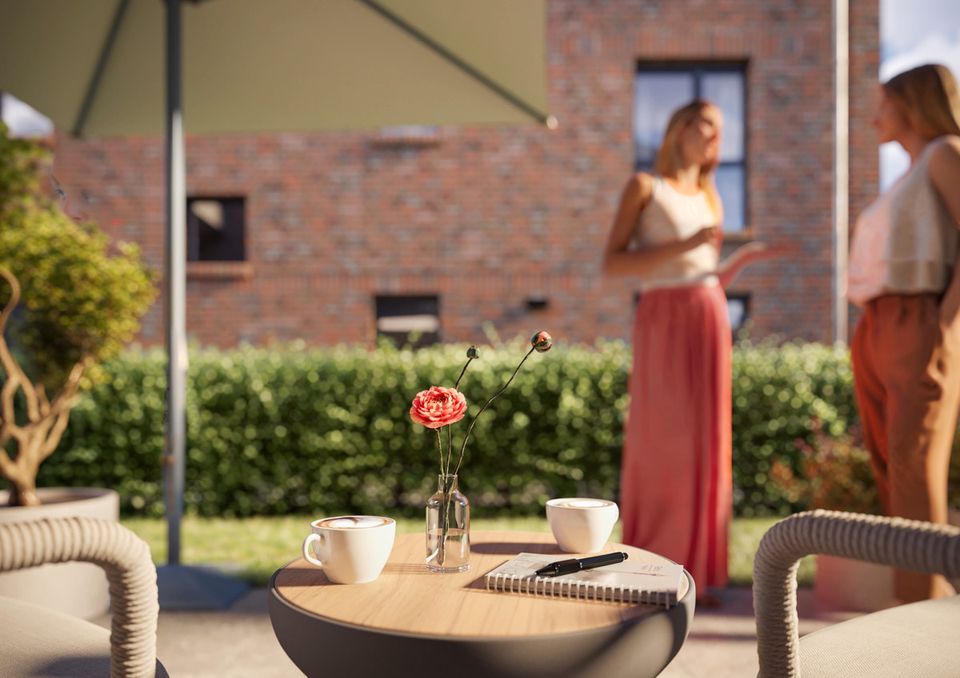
x=79, y=589
x=852, y=585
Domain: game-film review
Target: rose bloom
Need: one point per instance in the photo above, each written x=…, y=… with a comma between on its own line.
x=438, y=406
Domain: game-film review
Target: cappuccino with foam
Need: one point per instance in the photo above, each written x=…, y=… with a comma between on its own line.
x=581, y=524
x=350, y=549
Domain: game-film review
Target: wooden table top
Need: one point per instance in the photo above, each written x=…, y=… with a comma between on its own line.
x=408, y=598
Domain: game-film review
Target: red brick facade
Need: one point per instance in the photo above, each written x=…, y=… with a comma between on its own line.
x=487, y=217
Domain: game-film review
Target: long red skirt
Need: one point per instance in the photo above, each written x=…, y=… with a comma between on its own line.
x=676, y=481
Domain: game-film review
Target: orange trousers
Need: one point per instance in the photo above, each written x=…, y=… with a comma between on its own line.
x=906, y=366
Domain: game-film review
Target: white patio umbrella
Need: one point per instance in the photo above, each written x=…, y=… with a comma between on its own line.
x=101, y=67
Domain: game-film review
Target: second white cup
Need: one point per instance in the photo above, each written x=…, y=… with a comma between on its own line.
x=581, y=524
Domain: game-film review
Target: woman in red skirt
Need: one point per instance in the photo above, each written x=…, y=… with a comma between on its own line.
x=676, y=482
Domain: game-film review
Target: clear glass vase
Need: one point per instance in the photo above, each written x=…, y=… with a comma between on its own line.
x=448, y=527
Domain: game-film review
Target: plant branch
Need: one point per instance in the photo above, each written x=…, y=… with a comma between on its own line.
x=14, y=297
x=65, y=399
x=10, y=366
x=43, y=404
x=6, y=463
x=7, y=420
x=55, y=434
x=473, y=423
x=60, y=410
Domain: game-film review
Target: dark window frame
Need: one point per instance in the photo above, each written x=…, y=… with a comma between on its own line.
x=747, y=299
x=227, y=201
x=403, y=305
x=698, y=69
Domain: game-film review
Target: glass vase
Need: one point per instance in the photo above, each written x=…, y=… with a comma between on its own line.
x=448, y=527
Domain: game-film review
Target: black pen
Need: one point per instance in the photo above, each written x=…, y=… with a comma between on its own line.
x=577, y=564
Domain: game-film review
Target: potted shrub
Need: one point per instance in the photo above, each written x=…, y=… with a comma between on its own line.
x=68, y=300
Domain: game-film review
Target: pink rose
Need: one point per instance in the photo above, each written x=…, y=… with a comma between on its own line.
x=438, y=406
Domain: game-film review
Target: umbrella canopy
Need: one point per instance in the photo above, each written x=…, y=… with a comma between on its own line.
x=107, y=67
x=96, y=67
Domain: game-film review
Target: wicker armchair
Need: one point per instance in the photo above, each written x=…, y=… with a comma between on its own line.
x=919, y=639
x=38, y=642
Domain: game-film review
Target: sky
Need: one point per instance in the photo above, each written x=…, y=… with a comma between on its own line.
x=23, y=120
x=912, y=32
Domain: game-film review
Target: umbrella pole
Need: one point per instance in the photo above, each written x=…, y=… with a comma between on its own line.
x=175, y=284
x=180, y=587
x=841, y=167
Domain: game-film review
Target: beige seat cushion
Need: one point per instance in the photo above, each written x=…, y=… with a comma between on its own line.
x=42, y=643
x=920, y=640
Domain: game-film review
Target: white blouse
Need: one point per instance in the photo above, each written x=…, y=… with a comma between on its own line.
x=905, y=242
x=670, y=216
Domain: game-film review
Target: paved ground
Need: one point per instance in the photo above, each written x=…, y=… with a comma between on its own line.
x=240, y=643
x=723, y=641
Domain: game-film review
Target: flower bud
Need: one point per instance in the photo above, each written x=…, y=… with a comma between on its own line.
x=473, y=353
x=541, y=341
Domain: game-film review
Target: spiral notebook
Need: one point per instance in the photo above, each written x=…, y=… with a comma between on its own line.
x=630, y=582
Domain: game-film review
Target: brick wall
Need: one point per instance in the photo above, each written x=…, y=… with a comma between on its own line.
x=487, y=217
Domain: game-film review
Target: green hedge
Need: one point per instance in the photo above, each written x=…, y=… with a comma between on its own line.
x=779, y=395
x=321, y=431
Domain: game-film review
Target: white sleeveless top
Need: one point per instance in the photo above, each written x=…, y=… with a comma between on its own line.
x=905, y=242
x=670, y=216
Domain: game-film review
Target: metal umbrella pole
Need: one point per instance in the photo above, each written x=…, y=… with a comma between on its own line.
x=180, y=587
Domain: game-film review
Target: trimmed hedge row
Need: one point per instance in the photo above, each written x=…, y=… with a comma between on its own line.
x=326, y=431
x=781, y=395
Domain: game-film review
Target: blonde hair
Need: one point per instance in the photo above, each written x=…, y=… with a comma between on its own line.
x=670, y=155
x=927, y=95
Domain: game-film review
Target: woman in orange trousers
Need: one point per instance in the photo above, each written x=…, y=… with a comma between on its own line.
x=904, y=273
x=675, y=487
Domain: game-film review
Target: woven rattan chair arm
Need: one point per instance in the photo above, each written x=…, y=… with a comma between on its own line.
x=906, y=544
x=130, y=571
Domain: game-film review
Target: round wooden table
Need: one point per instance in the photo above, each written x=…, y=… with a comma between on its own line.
x=411, y=621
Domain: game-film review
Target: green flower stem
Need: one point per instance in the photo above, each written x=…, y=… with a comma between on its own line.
x=444, y=520
x=444, y=469
x=490, y=400
x=449, y=428
x=439, y=449
x=463, y=372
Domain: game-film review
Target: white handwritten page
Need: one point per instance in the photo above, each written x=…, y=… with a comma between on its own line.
x=625, y=582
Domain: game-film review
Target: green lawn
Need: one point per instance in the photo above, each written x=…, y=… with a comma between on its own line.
x=253, y=548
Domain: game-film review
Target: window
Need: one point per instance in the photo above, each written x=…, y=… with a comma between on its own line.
x=662, y=88
x=738, y=310
x=216, y=229
x=409, y=320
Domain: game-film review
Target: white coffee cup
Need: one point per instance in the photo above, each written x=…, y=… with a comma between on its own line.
x=581, y=524
x=350, y=549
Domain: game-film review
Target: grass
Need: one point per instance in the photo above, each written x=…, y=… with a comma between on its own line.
x=253, y=548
